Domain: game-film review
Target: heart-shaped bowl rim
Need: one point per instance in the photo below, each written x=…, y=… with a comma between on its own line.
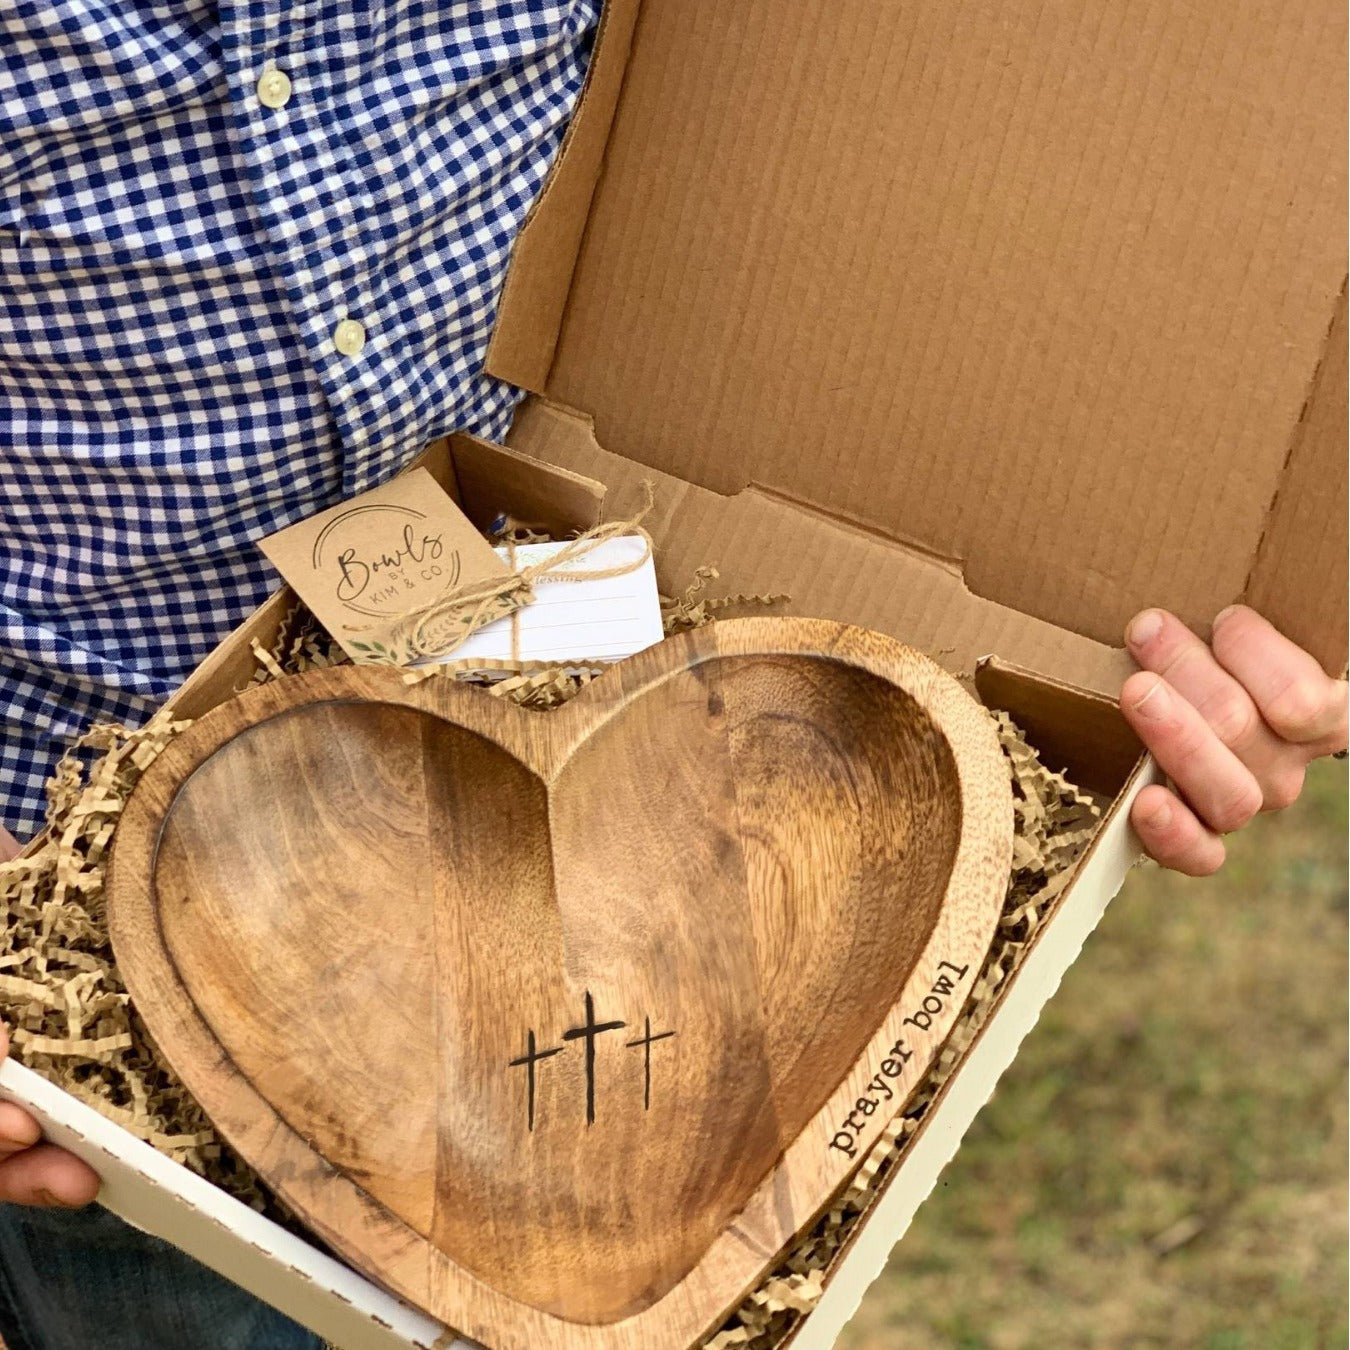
x=808, y=1174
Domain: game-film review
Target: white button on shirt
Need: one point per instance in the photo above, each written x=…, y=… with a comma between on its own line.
x=274, y=89
x=349, y=337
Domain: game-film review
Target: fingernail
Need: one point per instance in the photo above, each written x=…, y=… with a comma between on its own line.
x=1144, y=628
x=1222, y=615
x=1155, y=704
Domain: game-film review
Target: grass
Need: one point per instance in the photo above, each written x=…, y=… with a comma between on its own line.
x=1165, y=1163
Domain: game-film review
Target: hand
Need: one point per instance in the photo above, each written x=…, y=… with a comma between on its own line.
x=31, y=1172
x=1234, y=725
x=34, y=1173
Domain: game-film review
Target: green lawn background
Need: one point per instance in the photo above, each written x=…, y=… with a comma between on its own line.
x=1165, y=1162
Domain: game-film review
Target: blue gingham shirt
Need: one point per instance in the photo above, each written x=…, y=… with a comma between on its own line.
x=218, y=315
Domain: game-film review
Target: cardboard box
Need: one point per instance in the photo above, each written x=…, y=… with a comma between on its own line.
x=984, y=325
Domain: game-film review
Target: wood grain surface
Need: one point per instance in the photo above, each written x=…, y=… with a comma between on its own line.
x=562, y=1025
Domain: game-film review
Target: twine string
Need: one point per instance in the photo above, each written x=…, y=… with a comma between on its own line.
x=440, y=627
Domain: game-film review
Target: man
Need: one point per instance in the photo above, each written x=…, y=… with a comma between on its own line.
x=251, y=257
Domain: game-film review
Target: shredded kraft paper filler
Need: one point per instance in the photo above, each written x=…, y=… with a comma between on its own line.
x=72, y=1020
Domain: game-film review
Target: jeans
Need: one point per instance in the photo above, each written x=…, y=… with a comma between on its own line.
x=84, y=1280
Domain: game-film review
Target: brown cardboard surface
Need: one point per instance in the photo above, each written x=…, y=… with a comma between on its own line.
x=494, y=481
x=545, y=252
x=762, y=544
x=1299, y=578
x=1085, y=737
x=1037, y=289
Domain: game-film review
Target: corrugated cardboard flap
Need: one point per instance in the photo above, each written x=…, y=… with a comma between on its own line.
x=1040, y=290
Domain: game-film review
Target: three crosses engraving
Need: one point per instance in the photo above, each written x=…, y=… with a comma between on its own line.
x=587, y=1032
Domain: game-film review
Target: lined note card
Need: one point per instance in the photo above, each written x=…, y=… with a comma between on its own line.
x=584, y=619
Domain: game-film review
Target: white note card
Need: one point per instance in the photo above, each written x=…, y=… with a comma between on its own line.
x=577, y=619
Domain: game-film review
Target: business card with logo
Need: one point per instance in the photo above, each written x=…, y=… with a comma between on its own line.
x=365, y=564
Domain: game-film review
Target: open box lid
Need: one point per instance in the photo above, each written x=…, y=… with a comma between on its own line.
x=1052, y=296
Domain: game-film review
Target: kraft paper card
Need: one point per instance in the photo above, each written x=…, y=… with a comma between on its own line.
x=363, y=565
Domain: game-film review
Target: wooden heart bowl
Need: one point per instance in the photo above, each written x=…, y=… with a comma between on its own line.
x=563, y=1025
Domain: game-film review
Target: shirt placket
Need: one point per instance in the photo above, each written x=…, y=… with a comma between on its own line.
x=315, y=211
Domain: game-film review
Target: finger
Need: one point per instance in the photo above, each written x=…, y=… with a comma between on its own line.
x=1172, y=834
x=47, y=1176
x=1160, y=642
x=18, y=1130
x=1216, y=784
x=1299, y=700
x=9, y=846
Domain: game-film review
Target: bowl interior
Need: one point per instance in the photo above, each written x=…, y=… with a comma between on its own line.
x=519, y=1003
